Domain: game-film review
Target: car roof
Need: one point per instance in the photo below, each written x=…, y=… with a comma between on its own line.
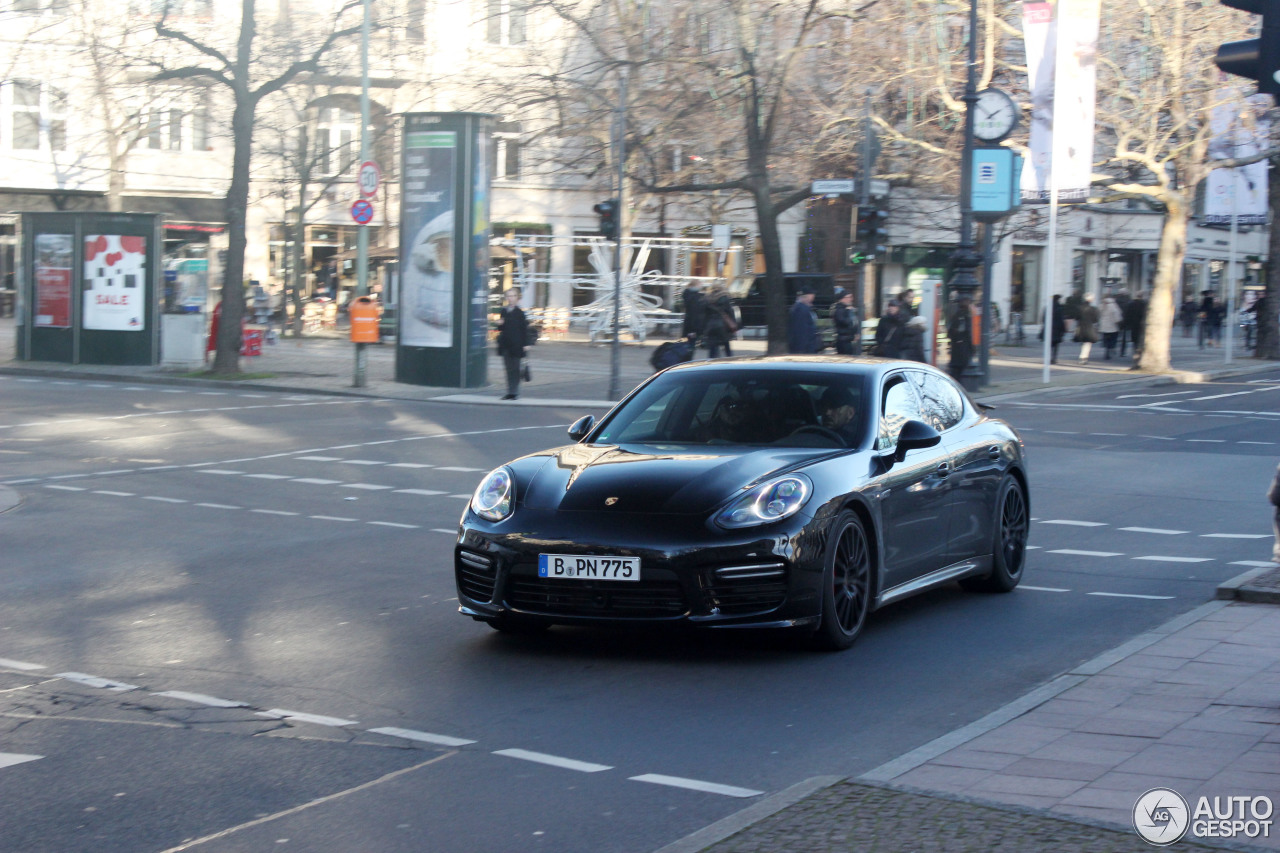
x=861, y=365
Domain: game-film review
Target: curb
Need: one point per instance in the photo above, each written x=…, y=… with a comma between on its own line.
x=735, y=823
x=1243, y=587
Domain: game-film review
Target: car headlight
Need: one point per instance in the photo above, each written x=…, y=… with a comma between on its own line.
x=772, y=500
x=492, y=500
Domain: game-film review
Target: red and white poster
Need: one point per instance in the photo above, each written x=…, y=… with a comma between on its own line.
x=115, y=283
x=53, y=280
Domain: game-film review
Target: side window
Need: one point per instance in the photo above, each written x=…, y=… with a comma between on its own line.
x=942, y=402
x=901, y=404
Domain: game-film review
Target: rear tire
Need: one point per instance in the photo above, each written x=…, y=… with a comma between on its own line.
x=1009, y=542
x=846, y=584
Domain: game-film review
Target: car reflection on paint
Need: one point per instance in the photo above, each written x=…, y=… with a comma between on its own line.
x=798, y=492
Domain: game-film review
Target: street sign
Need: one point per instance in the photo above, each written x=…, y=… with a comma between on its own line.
x=369, y=178
x=362, y=212
x=835, y=187
x=879, y=188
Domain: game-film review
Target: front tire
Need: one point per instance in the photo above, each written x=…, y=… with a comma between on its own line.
x=1009, y=544
x=846, y=593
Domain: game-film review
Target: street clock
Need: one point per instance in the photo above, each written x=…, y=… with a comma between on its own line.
x=996, y=115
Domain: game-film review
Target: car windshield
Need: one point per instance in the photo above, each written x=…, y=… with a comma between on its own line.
x=785, y=408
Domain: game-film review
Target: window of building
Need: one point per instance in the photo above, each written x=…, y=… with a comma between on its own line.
x=504, y=153
x=26, y=116
x=200, y=129
x=36, y=116
x=40, y=7
x=337, y=140
x=415, y=21
x=505, y=21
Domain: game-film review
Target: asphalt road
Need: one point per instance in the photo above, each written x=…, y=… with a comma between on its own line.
x=228, y=622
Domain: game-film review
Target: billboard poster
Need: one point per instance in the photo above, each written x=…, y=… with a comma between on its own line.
x=427, y=234
x=115, y=283
x=1240, y=130
x=53, y=280
x=479, y=326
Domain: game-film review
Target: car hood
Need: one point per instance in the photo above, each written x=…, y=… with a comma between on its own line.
x=585, y=477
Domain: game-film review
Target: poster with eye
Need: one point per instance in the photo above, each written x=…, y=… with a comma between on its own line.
x=115, y=283
x=427, y=217
x=53, y=280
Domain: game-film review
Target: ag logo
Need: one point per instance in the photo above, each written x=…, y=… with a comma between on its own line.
x=1161, y=816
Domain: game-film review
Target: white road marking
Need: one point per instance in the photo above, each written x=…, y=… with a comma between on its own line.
x=332, y=518
x=1254, y=564
x=1168, y=394
x=1235, y=535
x=269, y=476
x=274, y=512
x=1154, y=530
x=1075, y=553
x=1034, y=547
x=1131, y=595
x=408, y=465
x=113, y=494
x=442, y=530
x=318, y=458
x=1158, y=559
x=426, y=492
x=696, y=785
x=298, y=716
x=1206, y=441
x=315, y=482
x=66, y=488
x=8, y=759
x=202, y=699
x=463, y=470
x=395, y=524
x=464, y=497
x=369, y=487
x=1111, y=434
x=95, y=681
x=1256, y=442
x=20, y=664
x=20, y=482
x=1062, y=432
x=222, y=471
x=1158, y=437
x=1043, y=588
x=425, y=737
x=220, y=506
x=553, y=760
x=164, y=500
x=362, y=462
x=1074, y=523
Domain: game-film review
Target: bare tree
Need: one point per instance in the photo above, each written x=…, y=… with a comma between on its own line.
x=248, y=73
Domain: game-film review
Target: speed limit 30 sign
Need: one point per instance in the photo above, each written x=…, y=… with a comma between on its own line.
x=369, y=178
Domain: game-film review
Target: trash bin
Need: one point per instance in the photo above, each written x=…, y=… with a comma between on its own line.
x=364, y=311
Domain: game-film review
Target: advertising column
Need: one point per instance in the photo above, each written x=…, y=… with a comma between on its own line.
x=444, y=246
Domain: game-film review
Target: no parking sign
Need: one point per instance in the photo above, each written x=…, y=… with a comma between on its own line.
x=362, y=212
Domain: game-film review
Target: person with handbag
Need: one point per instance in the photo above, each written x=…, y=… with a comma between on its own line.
x=721, y=325
x=844, y=316
x=513, y=337
x=1087, y=327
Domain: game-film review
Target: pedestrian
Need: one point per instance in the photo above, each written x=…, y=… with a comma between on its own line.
x=1126, y=337
x=1135, y=320
x=907, y=304
x=1087, y=327
x=1057, y=328
x=889, y=332
x=1274, y=497
x=1109, y=325
x=695, y=312
x=1187, y=314
x=721, y=324
x=913, y=339
x=848, y=325
x=802, y=323
x=960, y=334
x=513, y=337
x=1210, y=320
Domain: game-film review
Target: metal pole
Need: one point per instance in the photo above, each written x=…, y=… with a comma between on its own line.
x=965, y=260
x=362, y=233
x=984, y=353
x=1229, y=321
x=866, y=274
x=620, y=152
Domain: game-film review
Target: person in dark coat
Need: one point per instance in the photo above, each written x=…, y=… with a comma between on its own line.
x=1135, y=320
x=1187, y=315
x=513, y=337
x=1087, y=330
x=720, y=326
x=960, y=333
x=844, y=316
x=1210, y=320
x=913, y=339
x=695, y=313
x=1057, y=328
x=889, y=331
x=1274, y=497
x=802, y=324
x=1126, y=334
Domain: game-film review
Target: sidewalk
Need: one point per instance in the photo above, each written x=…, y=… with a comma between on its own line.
x=1193, y=706
x=572, y=372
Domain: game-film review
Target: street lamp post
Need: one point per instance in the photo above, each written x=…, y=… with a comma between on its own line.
x=362, y=231
x=965, y=260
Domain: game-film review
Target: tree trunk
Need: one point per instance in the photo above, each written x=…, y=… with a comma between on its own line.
x=1160, y=306
x=1269, y=306
x=227, y=359
x=775, y=289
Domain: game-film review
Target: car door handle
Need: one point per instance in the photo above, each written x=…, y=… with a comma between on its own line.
x=944, y=469
x=993, y=451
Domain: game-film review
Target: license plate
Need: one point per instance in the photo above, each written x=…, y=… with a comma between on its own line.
x=583, y=567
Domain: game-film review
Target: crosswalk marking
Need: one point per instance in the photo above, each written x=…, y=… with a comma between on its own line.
x=696, y=785
x=8, y=759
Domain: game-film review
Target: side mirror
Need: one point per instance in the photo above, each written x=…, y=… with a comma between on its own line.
x=915, y=434
x=583, y=425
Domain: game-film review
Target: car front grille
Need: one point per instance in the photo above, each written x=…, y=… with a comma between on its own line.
x=641, y=599
x=477, y=575
x=747, y=589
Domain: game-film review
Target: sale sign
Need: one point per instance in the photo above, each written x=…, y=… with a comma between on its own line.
x=115, y=283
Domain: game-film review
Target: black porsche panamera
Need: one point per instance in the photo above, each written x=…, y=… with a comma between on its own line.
x=796, y=492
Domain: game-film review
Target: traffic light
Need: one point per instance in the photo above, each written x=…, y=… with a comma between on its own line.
x=870, y=231
x=607, y=210
x=1258, y=59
